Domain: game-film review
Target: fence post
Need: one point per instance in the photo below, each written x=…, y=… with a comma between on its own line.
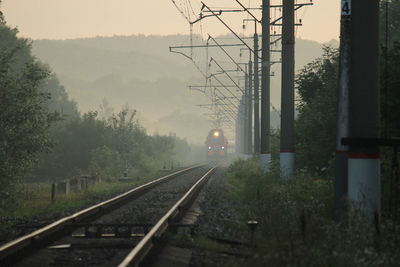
x=67, y=187
x=53, y=192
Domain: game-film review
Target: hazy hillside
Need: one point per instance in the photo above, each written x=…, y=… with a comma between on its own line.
x=141, y=72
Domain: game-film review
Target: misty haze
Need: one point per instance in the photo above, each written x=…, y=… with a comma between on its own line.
x=199, y=133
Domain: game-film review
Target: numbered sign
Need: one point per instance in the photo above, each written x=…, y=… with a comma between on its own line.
x=346, y=8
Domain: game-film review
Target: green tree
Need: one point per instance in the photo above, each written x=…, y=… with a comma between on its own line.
x=25, y=119
x=316, y=122
x=59, y=101
x=317, y=87
x=74, y=143
x=393, y=23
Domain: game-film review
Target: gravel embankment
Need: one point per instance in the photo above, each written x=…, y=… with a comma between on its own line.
x=22, y=225
x=145, y=209
x=219, y=220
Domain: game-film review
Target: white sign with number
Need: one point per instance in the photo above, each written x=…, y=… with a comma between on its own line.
x=346, y=8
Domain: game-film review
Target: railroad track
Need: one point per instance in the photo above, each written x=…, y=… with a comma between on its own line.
x=118, y=232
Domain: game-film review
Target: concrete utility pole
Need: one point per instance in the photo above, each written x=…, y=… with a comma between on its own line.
x=287, y=154
x=265, y=157
x=341, y=167
x=242, y=125
x=364, y=169
x=250, y=107
x=256, y=97
x=237, y=130
x=246, y=115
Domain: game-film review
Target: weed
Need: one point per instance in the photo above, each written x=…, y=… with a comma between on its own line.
x=296, y=226
x=34, y=199
x=204, y=243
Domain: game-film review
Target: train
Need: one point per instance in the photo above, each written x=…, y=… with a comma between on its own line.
x=216, y=145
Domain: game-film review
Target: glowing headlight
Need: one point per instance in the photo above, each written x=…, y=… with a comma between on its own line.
x=209, y=147
x=223, y=147
x=216, y=134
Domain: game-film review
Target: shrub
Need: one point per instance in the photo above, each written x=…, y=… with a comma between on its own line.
x=296, y=226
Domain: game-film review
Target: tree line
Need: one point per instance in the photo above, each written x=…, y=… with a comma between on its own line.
x=43, y=137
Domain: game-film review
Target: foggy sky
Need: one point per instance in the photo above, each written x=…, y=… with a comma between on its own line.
x=64, y=19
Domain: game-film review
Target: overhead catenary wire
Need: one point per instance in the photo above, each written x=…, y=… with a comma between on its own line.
x=186, y=9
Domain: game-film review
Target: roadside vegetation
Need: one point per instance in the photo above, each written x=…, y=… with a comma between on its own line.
x=296, y=226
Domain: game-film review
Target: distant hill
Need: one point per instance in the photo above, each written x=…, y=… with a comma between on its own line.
x=140, y=71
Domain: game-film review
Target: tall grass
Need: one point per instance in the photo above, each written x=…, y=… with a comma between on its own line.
x=296, y=226
x=34, y=199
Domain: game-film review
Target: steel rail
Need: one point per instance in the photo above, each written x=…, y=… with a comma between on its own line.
x=35, y=238
x=140, y=251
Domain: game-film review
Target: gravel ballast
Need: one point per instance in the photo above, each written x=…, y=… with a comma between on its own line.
x=145, y=209
x=220, y=220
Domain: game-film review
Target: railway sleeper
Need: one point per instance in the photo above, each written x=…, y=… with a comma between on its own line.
x=120, y=230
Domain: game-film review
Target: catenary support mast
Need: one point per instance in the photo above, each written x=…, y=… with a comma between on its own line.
x=250, y=107
x=364, y=169
x=265, y=156
x=287, y=154
x=256, y=97
x=341, y=160
x=246, y=115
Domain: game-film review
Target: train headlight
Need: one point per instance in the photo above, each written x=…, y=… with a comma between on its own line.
x=223, y=147
x=216, y=134
x=209, y=147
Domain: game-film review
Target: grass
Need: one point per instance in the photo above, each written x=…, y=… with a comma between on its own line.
x=296, y=227
x=183, y=239
x=34, y=200
x=204, y=243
